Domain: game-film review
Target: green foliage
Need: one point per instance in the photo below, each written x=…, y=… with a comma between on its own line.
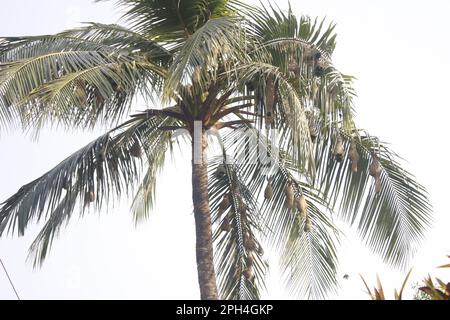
x=378, y=292
x=438, y=291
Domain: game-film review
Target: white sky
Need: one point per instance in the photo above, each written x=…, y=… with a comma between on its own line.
x=399, y=52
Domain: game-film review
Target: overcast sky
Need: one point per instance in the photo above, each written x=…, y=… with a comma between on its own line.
x=399, y=52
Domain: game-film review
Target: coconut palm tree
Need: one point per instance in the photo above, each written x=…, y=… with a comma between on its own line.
x=261, y=81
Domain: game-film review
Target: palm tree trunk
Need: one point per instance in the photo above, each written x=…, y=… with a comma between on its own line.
x=204, y=248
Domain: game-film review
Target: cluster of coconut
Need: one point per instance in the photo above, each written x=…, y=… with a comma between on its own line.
x=353, y=155
x=297, y=203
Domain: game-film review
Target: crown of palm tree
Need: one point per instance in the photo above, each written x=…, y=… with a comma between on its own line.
x=245, y=72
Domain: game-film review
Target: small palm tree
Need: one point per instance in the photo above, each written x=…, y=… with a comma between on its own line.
x=378, y=292
x=262, y=80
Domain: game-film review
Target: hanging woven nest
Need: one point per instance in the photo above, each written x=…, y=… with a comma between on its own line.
x=248, y=273
x=294, y=68
x=268, y=192
x=249, y=243
x=308, y=224
x=226, y=225
x=100, y=171
x=89, y=197
x=224, y=204
x=101, y=154
x=99, y=99
x=249, y=260
x=308, y=56
x=353, y=156
x=135, y=149
x=338, y=149
x=270, y=101
x=375, y=171
x=197, y=74
x=313, y=126
x=66, y=184
x=302, y=205
x=317, y=55
x=220, y=171
x=251, y=86
x=80, y=90
x=269, y=119
x=243, y=208
x=318, y=71
x=289, y=192
x=243, y=213
x=260, y=250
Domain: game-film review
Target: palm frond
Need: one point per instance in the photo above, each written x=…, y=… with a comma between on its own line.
x=172, y=21
x=111, y=38
x=314, y=272
x=287, y=114
x=96, y=175
x=145, y=196
x=309, y=258
x=270, y=23
x=238, y=252
x=391, y=222
x=74, y=87
x=218, y=41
